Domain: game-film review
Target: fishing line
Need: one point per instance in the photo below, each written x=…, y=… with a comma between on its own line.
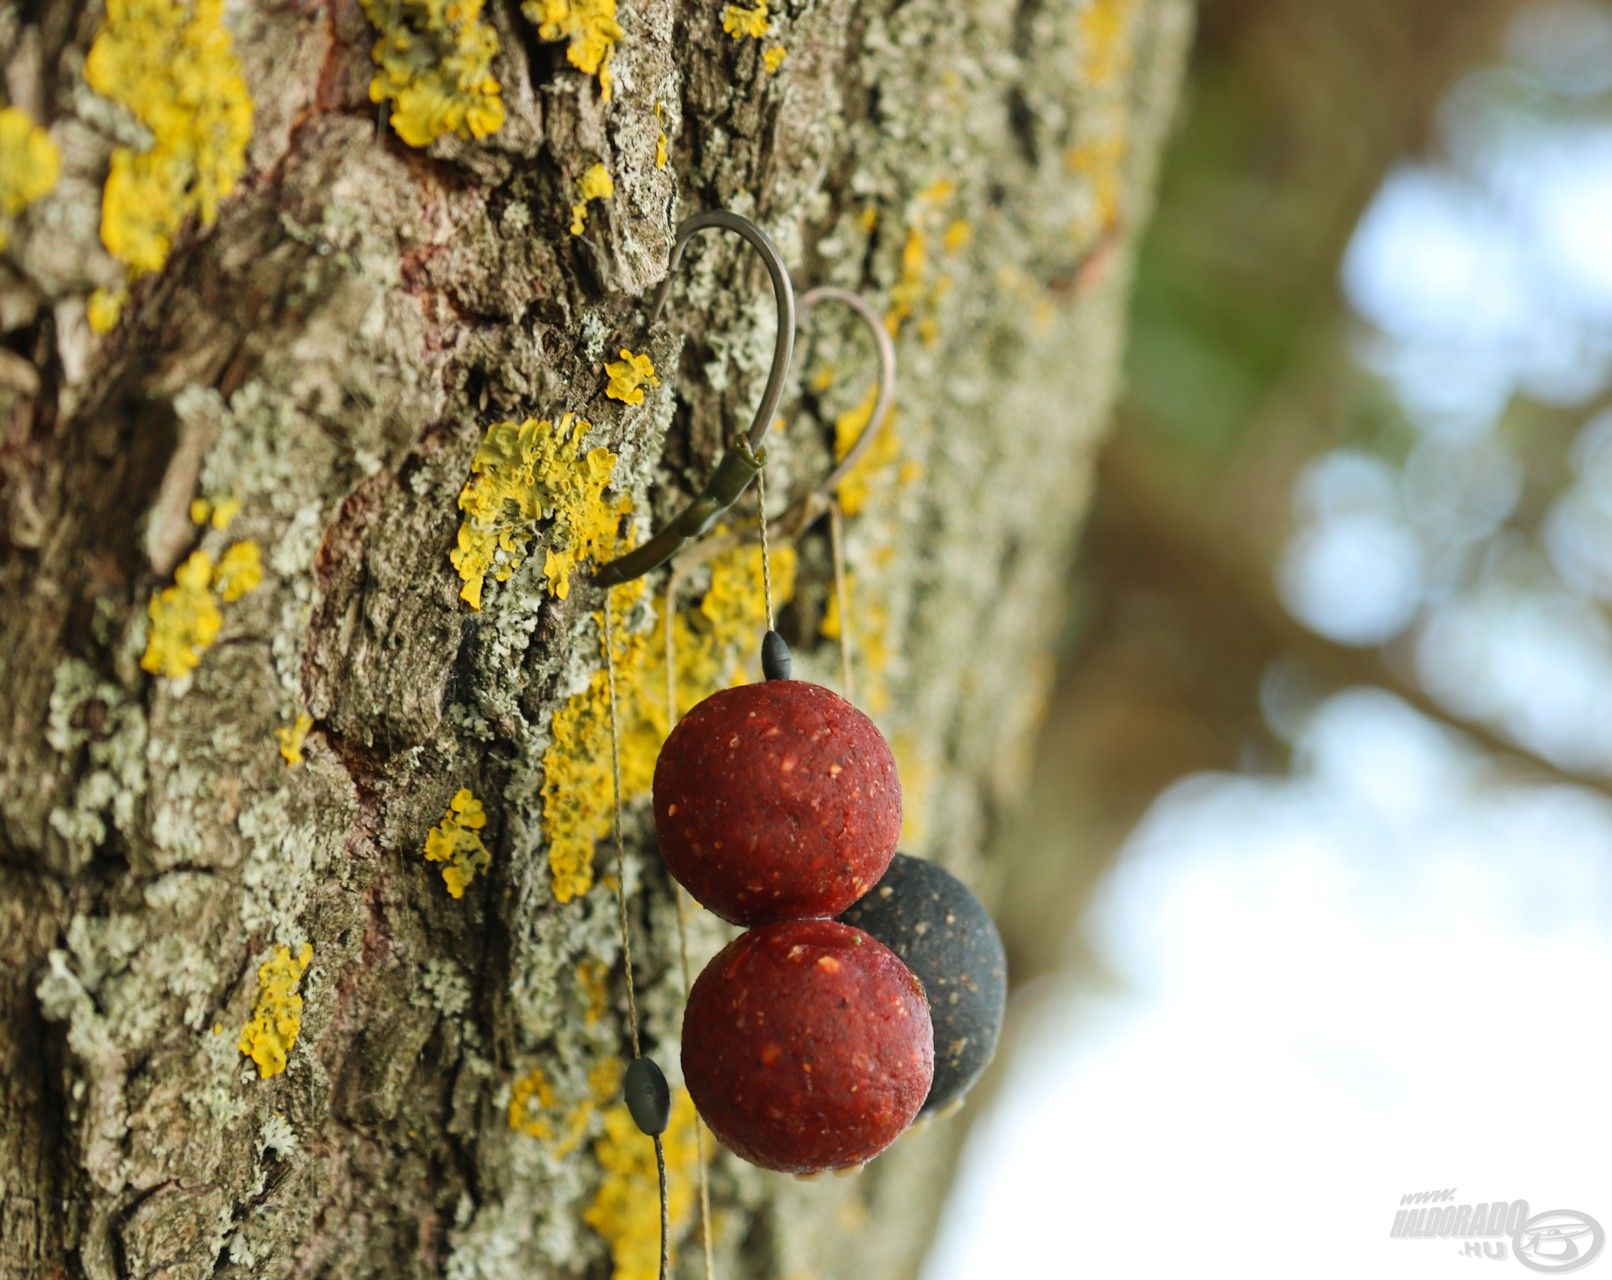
x=672, y=583
x=766, y=559
x=837, y=555
x=621, y=915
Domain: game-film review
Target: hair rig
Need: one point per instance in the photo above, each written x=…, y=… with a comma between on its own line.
x=745, y=457
x=810, y=1043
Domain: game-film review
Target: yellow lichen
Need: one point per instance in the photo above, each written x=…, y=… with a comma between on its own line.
x=524, y=473
x=291, y=737
x=595, y=184
x=773, y=58
x=529, y=1097
x=919, y=291
x=577, y=782
x=713, y=637
x=854, y=490
x=908, y=288
x=216, y=512
x=170, y=63
x=587, y=525
x=534, y=1108
x=831, y=626
x=184, y=620
x=588, y=26
x=870, y=649
x=239, y=572
x=1101, y=147
x=1101, y=161
x=277, y=1016
x=740, y=22
x=29, y=161
x=915, y=771
x=455, y=842
x=592, y=980
x=625, y=1209
x=1105, y=26
x=29, y=165
x=434, y=65
x=629, y=376
x=532, y=1111
x=712, y=634
x=604, y=1081
x=660, y=141
x=104, y=309
x=880, y=467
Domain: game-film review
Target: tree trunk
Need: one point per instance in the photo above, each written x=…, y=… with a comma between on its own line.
x=272, y=1003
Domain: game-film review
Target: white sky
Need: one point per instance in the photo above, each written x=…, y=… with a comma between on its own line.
x=1382, y=976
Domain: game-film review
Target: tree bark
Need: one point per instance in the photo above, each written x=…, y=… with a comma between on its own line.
x=213, y=834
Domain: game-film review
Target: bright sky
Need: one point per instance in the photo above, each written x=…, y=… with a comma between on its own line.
x=1384, y=975
x=1390, y=971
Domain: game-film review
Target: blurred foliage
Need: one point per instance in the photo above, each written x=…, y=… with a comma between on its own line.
x=1247, y=363
x=1295, y=111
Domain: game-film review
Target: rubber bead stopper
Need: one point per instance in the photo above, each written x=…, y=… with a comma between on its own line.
x=649, y=1100
x=776, y=664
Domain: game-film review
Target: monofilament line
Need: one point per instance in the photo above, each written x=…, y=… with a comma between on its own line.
x=766, y=558
x=621, y=915
x=682, y=924
x=836, y=545
x=621, y=852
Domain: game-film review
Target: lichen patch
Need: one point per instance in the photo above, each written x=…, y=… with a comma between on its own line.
x=433, y=62
x=588, y=27
x=270, y=1035
x=524, y=473
x=171, y=64
x=456, y=843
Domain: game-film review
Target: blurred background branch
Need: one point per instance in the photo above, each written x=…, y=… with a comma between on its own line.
x=1296, y=112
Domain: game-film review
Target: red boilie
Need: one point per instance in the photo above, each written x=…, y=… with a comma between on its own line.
x=807, y=1046
x=776, y=801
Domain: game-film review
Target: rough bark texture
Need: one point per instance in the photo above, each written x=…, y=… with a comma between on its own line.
x=329, y=352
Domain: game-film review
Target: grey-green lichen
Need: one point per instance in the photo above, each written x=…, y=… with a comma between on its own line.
x=110, y=778
x=444, y=986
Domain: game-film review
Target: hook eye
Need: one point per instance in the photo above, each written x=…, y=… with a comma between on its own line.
x=743, y=458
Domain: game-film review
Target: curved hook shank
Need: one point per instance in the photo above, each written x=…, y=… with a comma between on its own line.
x=783, y=292
x=743, y=459
x=887, y=376
x=733, y=475
x=790, y=522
